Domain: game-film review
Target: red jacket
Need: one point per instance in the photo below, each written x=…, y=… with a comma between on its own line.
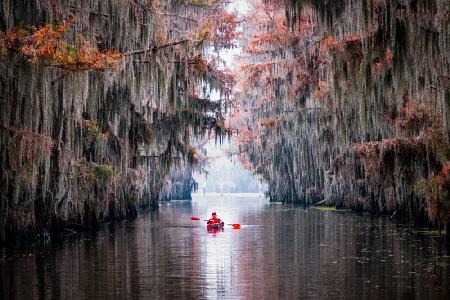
x=214, y=220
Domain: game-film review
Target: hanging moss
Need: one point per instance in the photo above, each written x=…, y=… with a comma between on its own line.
x=100, y=125
x=382, y=63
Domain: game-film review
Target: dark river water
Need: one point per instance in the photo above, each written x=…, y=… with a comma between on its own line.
x=281, y=252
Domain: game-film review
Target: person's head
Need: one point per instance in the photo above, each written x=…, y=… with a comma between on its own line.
x=214, y=214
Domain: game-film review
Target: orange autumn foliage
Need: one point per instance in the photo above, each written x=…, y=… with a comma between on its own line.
x=389, y=57
x=222, y=76
x=332, y=43
x=352, y=38
x=383, y=62
x=414, y=115
x=323, y=91
x=269, y=122
x=200, y=64
x=46, y=44
x=347, y=43
x=225, y=32
x=377, y=3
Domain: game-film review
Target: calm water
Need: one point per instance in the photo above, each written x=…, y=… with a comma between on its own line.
x=282, y=252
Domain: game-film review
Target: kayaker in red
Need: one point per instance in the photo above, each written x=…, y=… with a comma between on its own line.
x=214, y=219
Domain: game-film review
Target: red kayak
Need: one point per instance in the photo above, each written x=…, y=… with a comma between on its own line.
x=215, y=225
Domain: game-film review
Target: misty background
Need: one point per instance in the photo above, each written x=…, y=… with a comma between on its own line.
x=225, y=174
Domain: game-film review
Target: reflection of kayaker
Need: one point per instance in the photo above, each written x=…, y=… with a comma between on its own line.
x=214, y=222
x=214, y=230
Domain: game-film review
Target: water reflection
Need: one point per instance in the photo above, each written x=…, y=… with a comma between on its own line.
x=214, y=231
x=280, y=252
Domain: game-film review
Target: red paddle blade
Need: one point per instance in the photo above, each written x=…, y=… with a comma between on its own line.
x=236, y=226
x=195, y=219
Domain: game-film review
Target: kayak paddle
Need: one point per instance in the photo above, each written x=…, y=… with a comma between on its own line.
x=235, y=226
x=198, y=219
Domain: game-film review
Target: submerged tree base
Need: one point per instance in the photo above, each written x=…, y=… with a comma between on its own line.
x=58, y=231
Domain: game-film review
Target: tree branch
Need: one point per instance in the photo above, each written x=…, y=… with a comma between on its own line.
x=303, y=109
x=96, y=13
x=434, y=88
x=155, y=48
x=381, y=114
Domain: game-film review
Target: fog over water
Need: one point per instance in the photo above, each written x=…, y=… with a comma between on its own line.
x=225, y=172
